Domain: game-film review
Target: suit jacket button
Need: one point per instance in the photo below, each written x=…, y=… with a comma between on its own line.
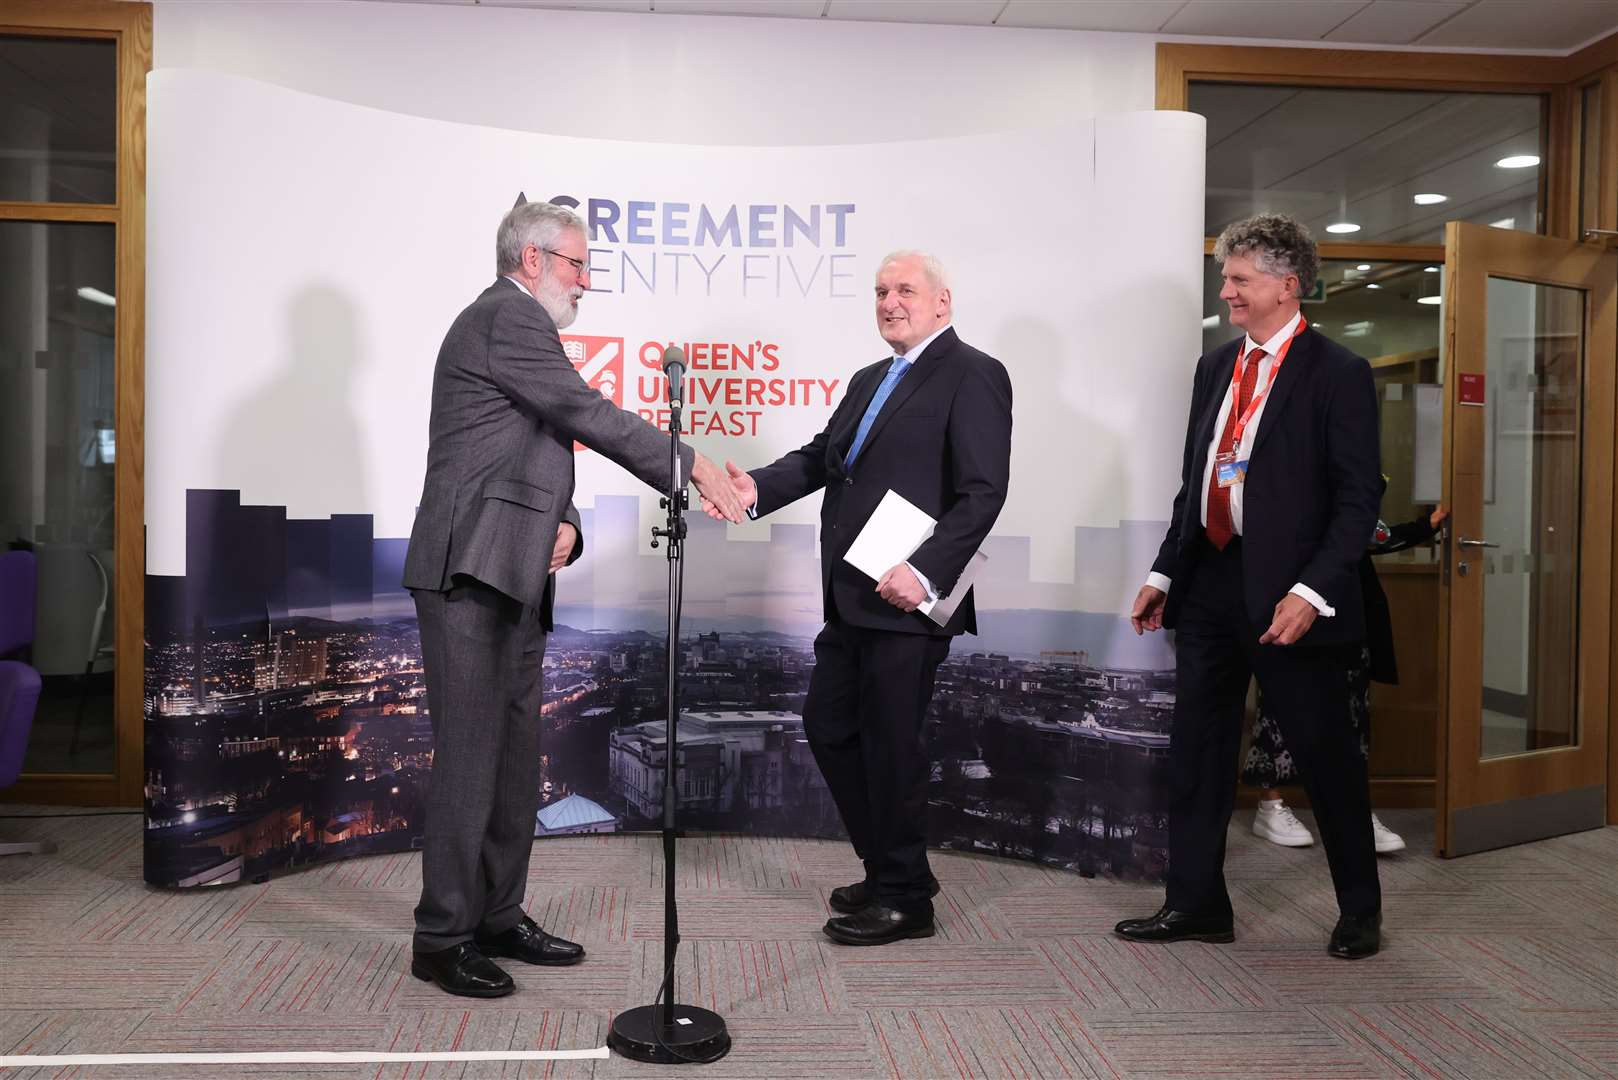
x=848, y=481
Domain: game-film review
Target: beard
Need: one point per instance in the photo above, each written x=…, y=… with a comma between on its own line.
x=558, y=301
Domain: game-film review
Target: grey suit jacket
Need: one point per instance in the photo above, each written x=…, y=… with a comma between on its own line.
x=507, y=406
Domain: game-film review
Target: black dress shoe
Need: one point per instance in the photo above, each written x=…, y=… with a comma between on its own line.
x=875, y=924
x=462, y=969
x=528, y=943
x=851, y=898
x=1170, y=925
x=1356, y=937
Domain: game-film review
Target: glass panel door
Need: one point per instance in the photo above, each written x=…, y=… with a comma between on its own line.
x=57, y=456
x=1535, y=358
x=1525, y=586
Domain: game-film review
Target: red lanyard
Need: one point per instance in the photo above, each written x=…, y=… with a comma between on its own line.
x=1258, y=398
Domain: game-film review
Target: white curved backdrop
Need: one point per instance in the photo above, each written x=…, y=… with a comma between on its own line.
x=305, y=258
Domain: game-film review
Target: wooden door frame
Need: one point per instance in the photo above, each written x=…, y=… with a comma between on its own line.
x=1562, y=79
x=130, y=26
x=1179, y=65
x=1478, y=253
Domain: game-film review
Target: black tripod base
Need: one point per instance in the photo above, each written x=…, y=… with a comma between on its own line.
x=693, y=1037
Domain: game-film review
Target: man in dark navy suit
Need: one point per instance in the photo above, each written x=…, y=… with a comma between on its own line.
x=1258, y=574
x=931, y=422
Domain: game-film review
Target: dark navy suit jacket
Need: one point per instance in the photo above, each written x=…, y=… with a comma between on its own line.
x=1313, y=487
x=942, y=440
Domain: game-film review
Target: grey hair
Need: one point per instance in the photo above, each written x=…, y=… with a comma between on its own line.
x=536, y=223
x=1278, y=245
x=937, y=276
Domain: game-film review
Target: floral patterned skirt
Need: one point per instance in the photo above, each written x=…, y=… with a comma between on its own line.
x=1269, y=764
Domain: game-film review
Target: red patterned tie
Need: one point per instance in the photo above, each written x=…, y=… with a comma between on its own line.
x=1219, y=528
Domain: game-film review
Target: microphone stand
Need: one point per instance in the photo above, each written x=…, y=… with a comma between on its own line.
x=664, y=1032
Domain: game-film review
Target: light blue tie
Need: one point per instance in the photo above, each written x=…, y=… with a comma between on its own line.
x=896, y=371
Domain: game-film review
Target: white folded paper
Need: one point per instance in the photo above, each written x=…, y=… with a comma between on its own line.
x=891, y=536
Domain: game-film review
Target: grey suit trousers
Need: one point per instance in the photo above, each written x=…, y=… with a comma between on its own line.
x=482, y=653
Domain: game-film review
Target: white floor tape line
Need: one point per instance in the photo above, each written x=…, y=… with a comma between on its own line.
x=299, y=1057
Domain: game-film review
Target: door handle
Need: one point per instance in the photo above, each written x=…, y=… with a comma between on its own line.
x=1467, y=541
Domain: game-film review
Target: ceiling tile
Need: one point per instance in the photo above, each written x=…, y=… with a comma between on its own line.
x=1513, y=24
x=951, y=12
x=786, y=9
x=1321, y=152
x=1229, y=107
x=1395, y=22
x=1299, y=20
x=1130, y=16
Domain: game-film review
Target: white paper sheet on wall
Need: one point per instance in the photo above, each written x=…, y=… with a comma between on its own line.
x=1427, y=485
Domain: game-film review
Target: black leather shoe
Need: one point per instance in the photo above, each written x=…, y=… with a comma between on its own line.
x=851, y=898
x=462, y=969
x=877, y=925
x=1170, y=925
x=528, y=943
x=1356, y=937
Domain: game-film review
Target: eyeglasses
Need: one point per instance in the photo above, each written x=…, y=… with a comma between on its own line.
x=579, y=265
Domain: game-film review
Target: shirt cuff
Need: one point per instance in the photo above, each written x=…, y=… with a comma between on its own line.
x=752, y=512
x=1160, y=582
x=932, y=593
x=1316, y=601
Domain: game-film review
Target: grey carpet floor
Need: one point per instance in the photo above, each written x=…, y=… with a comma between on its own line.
x=1503, y=964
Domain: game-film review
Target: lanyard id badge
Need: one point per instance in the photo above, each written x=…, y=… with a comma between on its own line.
x=1242, y=360
x=1228, y=472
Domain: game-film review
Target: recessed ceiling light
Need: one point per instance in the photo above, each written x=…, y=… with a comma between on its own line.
x=1430, y=269
x=1343, y=227
x=1373, y=285
x=1363, y=266
x=1428, y=198
x=1429, y=299
x=1210, y=322
x=1518, y=161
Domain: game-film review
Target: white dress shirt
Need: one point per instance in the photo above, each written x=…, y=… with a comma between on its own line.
x=910, y=358
x=1271, y=349
x=521, y=286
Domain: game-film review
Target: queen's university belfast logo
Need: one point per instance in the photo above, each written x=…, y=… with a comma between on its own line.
x=600, y=363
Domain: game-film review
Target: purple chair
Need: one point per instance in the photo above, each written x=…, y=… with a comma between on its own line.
x=18, y=584
x=19, y=693
x=19, y=683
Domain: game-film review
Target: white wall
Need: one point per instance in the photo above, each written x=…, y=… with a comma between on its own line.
x=666, y=78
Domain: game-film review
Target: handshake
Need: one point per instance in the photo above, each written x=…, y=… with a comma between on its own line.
x=727, y=494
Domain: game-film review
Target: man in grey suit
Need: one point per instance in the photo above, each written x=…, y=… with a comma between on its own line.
x=496, y=522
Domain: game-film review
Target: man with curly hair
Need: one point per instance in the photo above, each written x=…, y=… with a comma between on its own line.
x=1259, y=575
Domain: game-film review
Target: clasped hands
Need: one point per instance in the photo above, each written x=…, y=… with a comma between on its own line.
x=724, y=498
x=898, y=586
x=727, y=494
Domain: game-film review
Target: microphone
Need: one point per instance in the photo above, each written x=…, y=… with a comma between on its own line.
x=674, y=369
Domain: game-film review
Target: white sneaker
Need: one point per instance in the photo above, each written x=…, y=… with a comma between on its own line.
x=1276, y=823
x=1386, y=839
